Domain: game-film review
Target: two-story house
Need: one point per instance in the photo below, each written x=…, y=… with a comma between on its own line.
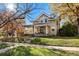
x=44, y=26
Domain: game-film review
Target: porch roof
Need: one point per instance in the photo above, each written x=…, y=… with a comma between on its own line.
x=42, y=25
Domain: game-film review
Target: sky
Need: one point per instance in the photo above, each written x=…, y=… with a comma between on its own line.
x=36, y=13
x=33, y=14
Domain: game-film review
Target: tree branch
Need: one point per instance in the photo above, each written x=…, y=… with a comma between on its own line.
x=71, y=8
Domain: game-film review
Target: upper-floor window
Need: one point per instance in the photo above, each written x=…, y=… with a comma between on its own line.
x=41, y=21
x=46, y=20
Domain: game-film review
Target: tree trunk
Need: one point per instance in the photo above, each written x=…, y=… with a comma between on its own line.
x=58, y=25
x=78, y=25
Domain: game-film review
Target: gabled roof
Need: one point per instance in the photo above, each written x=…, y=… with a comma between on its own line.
x=43, y=13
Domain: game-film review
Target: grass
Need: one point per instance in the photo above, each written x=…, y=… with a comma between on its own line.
x=3, y=45
x=60, y=41
x=32, y=51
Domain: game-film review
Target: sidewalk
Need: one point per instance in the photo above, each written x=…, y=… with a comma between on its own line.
x=39, y=46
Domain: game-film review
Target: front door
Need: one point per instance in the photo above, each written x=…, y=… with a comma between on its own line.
x=42, y=30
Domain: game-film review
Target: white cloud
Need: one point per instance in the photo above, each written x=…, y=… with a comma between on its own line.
x=11, y=7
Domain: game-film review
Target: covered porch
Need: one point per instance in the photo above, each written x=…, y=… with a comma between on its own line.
x=41, y=30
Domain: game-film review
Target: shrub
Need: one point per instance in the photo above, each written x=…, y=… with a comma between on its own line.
x=3, y=46
x=68, y=30
x=36, y=40
x=39, y=41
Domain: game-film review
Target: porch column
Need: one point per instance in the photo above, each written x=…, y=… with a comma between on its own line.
x=33, y=29
x=46, y=30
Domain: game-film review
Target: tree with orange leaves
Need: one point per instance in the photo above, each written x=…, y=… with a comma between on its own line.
x=11, y=27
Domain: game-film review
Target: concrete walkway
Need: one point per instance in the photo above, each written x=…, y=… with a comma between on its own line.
x=40, y=46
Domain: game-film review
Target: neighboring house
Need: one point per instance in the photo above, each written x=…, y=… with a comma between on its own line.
x=28, y=29
x=42, y=26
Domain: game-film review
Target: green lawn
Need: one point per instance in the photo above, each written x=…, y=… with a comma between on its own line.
x=58, y=41
x=32, y=51
x=3, y=45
